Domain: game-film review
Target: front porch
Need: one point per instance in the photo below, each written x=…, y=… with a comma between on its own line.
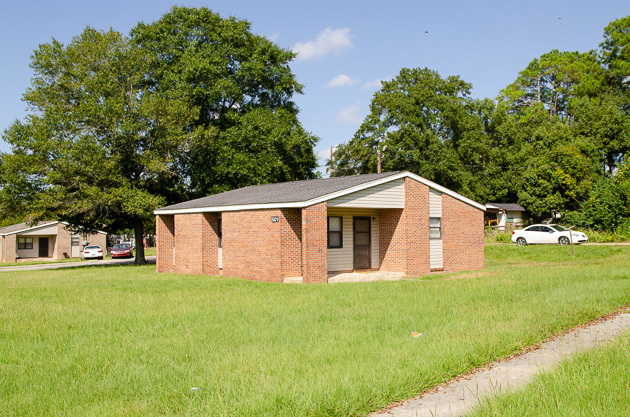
x=368, y=276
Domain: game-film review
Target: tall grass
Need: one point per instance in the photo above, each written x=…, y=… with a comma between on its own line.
x=128, y=341
x=596, y=383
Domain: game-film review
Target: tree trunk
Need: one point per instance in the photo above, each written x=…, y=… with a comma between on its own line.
x=139, y=235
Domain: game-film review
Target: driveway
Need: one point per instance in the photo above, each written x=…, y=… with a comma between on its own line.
x=58, y=265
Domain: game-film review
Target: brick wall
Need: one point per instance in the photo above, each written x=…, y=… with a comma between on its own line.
x=189, y=243
x=9, y=244
x=252, y=244
x=291, y=242
x=99, y=239
x=392, y=235
x=314, y=243
x=404, y=233
x=210, y=243
x=63, y=243
x=165, y=242
x=462, y=234
x=417, y=218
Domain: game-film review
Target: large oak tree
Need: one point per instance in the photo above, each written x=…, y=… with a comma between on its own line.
x=190, y=105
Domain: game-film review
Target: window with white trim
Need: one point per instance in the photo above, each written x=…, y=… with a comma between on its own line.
x=435, y=228
x=335, y=232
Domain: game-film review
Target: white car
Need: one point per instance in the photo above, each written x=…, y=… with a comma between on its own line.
x=92, y=252
x=547, y=234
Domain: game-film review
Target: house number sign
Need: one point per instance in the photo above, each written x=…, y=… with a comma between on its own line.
x=275, y=219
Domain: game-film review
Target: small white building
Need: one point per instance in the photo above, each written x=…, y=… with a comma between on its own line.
x=504, y=214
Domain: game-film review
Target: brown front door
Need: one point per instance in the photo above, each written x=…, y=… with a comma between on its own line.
x=362, y=243
x=43, y=247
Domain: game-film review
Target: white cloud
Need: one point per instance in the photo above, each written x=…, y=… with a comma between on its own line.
x=376, y=83
x=342, y=80
x=350, y=115
x=323, y=154
x=327, y=41
x=273, y=37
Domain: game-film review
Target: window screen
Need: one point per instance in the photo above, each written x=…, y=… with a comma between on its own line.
x=335, y=232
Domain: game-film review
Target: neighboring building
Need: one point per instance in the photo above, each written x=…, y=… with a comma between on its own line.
x=501, y=215
x=47, y=239
x=394, y=221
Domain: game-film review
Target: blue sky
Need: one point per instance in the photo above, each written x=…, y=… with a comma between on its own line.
x=344, y=47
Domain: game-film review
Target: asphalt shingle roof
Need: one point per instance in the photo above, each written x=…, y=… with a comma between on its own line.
x=284, y=192
x=508, y=206
x=22, y=226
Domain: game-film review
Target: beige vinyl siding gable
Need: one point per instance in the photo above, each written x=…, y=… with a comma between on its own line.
x=435, y=203
x=342, y=259
x=41, y=231
x=388, y=195
x=435, y=245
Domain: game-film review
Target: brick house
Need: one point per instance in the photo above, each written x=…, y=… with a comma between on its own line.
x=305, y=230
x=47, y=239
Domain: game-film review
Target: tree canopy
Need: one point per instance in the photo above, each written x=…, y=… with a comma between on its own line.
x=554, y=135
x=422, y=123
x=190, y=105
x=241, y=86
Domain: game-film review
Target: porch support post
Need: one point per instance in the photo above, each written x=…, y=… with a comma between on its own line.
x=315, y=243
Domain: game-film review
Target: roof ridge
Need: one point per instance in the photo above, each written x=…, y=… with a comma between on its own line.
x=315, y=179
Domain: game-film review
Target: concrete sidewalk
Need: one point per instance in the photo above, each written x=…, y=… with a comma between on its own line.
x=78, y=264
x=461, y=395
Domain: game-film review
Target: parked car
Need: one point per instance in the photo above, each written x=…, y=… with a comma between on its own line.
x=121, y=250
x=92, y=252
x=547, y=234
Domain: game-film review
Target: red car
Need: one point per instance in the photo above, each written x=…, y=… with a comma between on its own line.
x=121, y=251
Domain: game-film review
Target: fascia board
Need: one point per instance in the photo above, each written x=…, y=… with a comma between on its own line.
x=29, y=229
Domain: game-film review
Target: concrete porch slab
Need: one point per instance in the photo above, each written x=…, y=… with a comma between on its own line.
x=365, y=276
x=354, y=277
x=46, y=259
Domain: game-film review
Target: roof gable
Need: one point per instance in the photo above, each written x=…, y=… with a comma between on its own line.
x=15, y=228
x=298, y=194
x=279, y=193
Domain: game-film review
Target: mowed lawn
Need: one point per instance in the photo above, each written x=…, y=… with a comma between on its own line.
x=128, y=341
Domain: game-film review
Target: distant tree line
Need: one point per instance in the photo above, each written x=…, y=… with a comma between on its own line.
x=557, y=138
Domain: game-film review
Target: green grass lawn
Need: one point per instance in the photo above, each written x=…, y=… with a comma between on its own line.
x=127, y=341
x=596, y=383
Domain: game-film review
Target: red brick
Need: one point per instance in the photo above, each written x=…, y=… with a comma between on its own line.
x=462, y=234
x=315, y=243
